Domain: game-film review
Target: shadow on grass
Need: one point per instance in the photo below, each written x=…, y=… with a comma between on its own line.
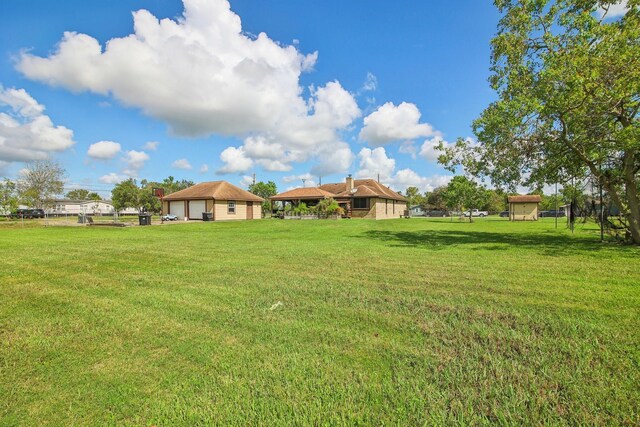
x=548, y=244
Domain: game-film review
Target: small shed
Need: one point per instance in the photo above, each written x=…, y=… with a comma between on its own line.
x=524, y=208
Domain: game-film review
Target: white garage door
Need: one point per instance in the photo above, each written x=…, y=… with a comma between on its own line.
x=177, y=209
x=196, y=207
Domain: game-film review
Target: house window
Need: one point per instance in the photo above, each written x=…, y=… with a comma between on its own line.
x=231, y=207
x=361, y=203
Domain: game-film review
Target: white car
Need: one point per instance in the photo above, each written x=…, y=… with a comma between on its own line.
x=476, y=212
x=169, y=217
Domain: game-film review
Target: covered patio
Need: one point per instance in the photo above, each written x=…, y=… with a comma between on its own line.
x=289, y=200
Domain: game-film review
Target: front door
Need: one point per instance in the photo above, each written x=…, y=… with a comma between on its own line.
x=249, y=210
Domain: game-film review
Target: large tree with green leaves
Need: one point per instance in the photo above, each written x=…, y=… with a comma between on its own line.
x=126, y=194
x=264, y=190
x=464, y=194
x=82, y=194
x=41, y=180
x=568, y=84
x=8, y=195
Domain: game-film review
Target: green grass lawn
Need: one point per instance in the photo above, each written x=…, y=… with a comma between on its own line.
x=397, y=322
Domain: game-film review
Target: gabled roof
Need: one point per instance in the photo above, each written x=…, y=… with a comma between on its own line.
x=305, y=193
x=364, y=188
x=525, y=199
x=218, y=190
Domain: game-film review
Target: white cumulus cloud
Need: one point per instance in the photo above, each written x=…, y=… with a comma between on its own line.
x=375, y=162
x=235, y=160
x=429, y=149
x=181, y=164
x=112, y=178
x=394, y=123
x=202, y=74
x=104, y=150
x=26, y=133
x=614, y=10
x=135, y=161
x=204, y=168
x=151, y=145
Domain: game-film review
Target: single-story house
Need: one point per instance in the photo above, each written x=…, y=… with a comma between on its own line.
x=223, y=200
x=524, y=208
x=360, y=198
x=87, y=207
x=416, y=210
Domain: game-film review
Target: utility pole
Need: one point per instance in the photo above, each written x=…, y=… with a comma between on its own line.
x=254, y=178
x=304, y=182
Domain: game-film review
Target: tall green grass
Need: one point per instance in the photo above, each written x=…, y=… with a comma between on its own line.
x=402, y=322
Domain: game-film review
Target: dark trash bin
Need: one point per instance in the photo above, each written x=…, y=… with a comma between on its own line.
x=207, y=216
x=144, y=219
x=82, y=219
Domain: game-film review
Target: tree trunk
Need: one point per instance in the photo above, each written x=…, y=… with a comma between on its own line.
x=631, y=186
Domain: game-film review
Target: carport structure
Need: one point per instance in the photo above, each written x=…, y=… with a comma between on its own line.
x=221, y=200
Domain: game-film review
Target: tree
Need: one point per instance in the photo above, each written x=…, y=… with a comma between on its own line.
x=435, y=198
x=40, y=181
x=170, y=185
x=496, y=201
x=264, y=190
x=126, y=194
x=8, y=195
x=414, y=196
x=82, y=194
x=464, y=194
x=568, y=84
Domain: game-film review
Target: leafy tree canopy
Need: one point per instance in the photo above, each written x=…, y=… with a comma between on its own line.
x=463, y=194
x=568, y=85
x=82, y=194
x=40, y=182
x=8, y=195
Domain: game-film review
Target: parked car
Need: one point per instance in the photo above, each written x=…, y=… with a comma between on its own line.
x=28, y=213
x=169, y=217
x=436, y=213
x=476, y=212
x=552, y=213
x=504, y=214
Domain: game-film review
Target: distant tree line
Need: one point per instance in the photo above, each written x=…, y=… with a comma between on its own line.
x=463, y=193
x=131, y=194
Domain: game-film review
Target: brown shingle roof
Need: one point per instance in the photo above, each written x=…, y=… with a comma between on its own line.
x=304, y=193
x=219, y=190
x=373, y=189
x=525, y=199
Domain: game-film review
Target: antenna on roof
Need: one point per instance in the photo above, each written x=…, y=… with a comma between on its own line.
x=254, y=178
x=319, y=181
x=304, y=180
x=378, y=178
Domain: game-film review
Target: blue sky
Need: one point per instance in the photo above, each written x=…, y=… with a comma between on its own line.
x=283, y=89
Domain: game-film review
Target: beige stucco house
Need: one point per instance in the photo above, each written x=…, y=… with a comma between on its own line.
x=524, y=208
x=360, y=198
x=223, y=200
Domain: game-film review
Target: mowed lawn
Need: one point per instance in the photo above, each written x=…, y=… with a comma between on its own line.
x=397, y=322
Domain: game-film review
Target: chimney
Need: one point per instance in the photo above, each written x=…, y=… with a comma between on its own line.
x=349, y=183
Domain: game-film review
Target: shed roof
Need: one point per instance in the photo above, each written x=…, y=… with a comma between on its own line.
x=525, y=199
x=218, y=190
x=305, y=193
